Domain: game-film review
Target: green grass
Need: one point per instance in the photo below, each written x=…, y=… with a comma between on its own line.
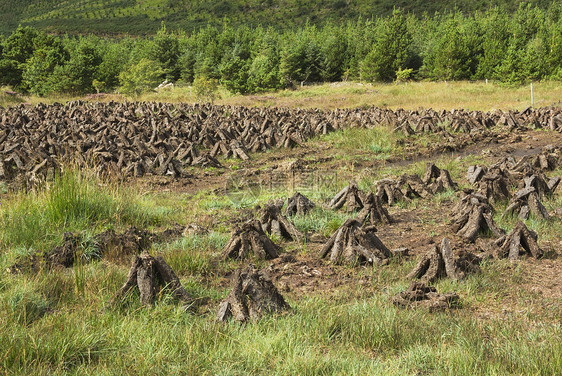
x=73, y=201
x=320, y=336
x=378, y=142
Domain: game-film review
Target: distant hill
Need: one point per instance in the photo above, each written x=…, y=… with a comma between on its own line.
x=138, y=17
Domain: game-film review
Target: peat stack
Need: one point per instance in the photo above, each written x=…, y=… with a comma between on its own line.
x=353, y=244
x=206, y=160
x=373, y=212
x=273, y=222
x=419, y=295
x=438, y=179
x=539, y=182
x=150, y=275
x=555, y=123
x=116, y=246
x=519, y=241
x=441, y=263
x=546, y=160
x=299, y=204
x=107, y=244
x=525, y=202
x=474, y=215
x=493, y=184
x=252, y=296
x=405, y=127
x=414, y=186
x=63, y=256
x=250, y=239
x=389, y=191
x=350, y=196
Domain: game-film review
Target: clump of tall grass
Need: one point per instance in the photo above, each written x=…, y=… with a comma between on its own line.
x=73, y=201
x=378, y=140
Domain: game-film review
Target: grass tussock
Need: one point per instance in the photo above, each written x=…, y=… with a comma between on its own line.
x=73, y=201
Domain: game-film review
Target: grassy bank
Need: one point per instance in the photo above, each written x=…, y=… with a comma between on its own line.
x=410, y=96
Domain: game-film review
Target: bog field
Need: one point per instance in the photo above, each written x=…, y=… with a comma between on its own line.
x=342, y=229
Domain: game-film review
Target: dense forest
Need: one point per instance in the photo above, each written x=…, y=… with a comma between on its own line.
x=143, y=17
x=512, y=47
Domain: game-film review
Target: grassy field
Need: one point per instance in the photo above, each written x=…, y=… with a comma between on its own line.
x=62, y=322
x=414, y=95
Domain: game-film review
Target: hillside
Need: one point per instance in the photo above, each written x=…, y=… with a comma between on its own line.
x=145, y=16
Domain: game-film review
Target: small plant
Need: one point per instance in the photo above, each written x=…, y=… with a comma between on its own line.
x=403, y=75
x=98, y=85
x=206, y=89
x=26, y=306
x=141, y=77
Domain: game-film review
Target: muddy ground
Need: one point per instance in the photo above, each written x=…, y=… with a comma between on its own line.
x=527, y=286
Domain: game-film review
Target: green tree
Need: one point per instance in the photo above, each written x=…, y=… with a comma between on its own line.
x=494, y=42
x=115, y=56
x=18, y=48
x=334, y=53
x=301, y=58
x=234, y=70
x=38, y=72
x=553, y=41
x=165, y=50
x=141, y=77
x=82, y=67
x=390, y=50
x=206, y=89
x=454, y=52
x=236, y=60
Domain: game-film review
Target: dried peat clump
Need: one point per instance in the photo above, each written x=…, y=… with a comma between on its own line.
x=150, y=275
x=206, y=160
x=520, y=240
x=405, y=128
x=63, y=256
x=526, y=201
x=350, y=196
x=389, y=191
x=491, y=183
x=373, y=212
x=474, y=215
x=414, y=187
x=419, y=295
x=555, y=123
x=540, y=183
x=133, y=139
x=234, y=149
x=118, y=246
x=438, y=179
x=252, y=296
x=250, y=239
x=273, y=222
x=107, y=245
x=298, y=204
x=441, y=263
x=352, y=244
x=547, y=160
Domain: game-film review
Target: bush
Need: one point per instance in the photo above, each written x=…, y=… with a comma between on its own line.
x=141, y=77
x=206, y=89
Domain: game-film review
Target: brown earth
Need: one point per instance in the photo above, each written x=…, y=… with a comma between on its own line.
x=528, y=287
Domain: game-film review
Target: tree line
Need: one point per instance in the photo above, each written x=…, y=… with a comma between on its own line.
x=512, y=48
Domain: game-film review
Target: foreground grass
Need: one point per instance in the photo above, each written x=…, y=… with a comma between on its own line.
x=410, y=96
x=73, y=201
x=321, y=335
